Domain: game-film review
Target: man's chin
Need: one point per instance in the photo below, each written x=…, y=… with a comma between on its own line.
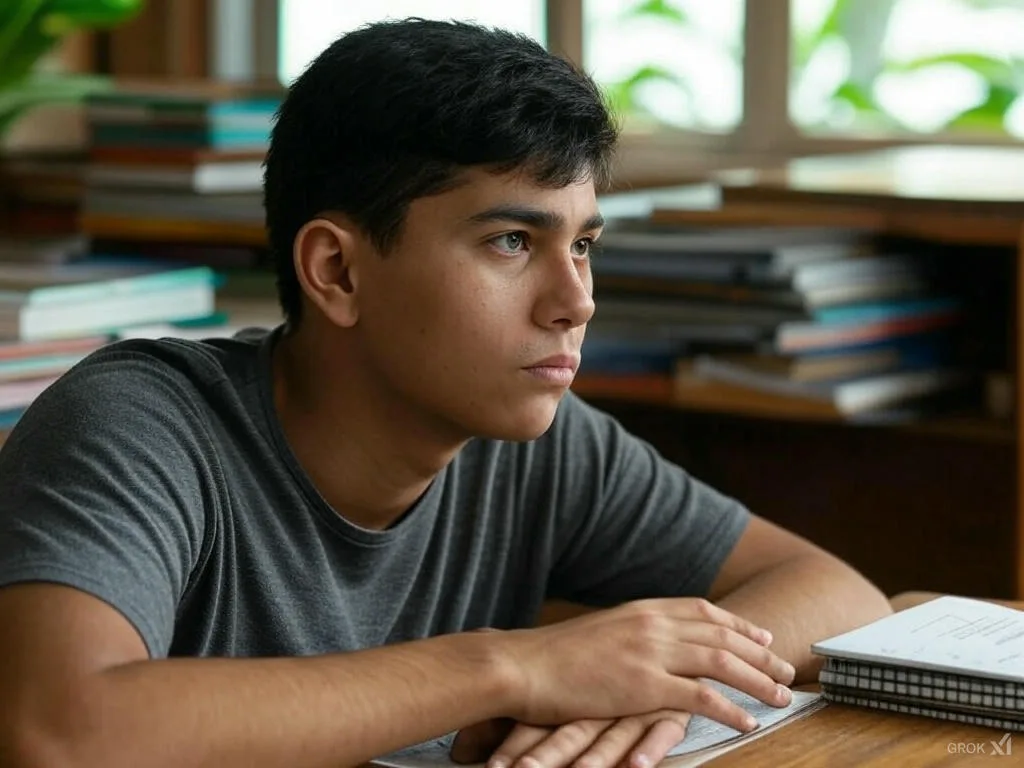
x=522, y=424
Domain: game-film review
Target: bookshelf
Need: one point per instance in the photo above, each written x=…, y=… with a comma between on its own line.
x=938, y=501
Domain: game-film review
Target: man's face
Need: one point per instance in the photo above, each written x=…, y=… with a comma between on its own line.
x=477, y=315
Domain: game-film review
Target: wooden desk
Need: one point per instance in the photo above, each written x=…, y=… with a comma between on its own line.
x=840, y=736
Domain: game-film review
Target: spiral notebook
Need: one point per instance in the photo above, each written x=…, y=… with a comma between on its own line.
x=952, y=658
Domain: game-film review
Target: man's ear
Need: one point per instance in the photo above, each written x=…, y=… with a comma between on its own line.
x=325, y=255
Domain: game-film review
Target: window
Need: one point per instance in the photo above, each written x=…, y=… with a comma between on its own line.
x=309, y=26
x=705, y=84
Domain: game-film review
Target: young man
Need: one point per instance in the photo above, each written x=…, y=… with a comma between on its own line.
x=274, y=550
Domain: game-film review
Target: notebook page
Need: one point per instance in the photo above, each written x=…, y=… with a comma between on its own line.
x=704, y=738
x=948, y=634
x=703, y=732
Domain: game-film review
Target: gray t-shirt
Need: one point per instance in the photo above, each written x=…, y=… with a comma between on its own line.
x=156, y=477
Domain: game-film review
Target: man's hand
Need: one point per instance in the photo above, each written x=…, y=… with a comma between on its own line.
x=636, y=742
x=644, y=657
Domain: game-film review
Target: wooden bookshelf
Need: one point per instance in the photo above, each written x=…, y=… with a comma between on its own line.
x=662, y=391
x=958, y=478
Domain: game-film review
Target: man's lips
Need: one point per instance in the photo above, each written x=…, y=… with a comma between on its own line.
x=559, y=370
x=572, y=362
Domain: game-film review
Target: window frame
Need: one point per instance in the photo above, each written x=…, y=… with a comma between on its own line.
x=764, y=136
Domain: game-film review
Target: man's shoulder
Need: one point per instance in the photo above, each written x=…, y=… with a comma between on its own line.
x=204, y=356
x=179, y=376
x=143, y=360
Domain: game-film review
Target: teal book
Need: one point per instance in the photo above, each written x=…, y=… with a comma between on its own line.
x=72, y=302
x=63, y=284
x=882, y=311
x=214, y=137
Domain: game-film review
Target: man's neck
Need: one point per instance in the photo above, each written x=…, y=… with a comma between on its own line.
x=370, y=453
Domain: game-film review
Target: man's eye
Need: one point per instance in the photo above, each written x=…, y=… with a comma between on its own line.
x=583, y=246
x=511, y=242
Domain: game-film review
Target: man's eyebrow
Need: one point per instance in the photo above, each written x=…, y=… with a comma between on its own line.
x=534, y=217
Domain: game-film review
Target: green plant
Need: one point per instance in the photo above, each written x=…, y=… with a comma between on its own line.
x=861, y=26
x=29, y=29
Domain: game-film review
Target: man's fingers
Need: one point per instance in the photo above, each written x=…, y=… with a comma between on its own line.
x=725, y=667
x=758, y=657
x=613, y=745
x=518, y=744
x=560, y=748
x=659, y=739
x=621, y=742
x=700, y=698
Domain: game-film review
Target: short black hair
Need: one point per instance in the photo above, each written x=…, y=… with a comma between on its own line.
x=394, y=111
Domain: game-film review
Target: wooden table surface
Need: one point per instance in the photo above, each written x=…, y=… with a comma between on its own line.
x=840, y=736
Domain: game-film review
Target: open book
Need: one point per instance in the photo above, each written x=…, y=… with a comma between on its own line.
x=705, y=738
x=952, y=658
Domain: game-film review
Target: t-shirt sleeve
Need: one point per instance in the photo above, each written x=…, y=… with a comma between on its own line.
x=631, y=524
x=100, y=490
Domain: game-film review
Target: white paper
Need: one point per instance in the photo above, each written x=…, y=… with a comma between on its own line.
x=948, y=634
x=701, y=734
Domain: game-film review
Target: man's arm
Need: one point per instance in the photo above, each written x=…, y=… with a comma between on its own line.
x=796, y=590
x=78, y=689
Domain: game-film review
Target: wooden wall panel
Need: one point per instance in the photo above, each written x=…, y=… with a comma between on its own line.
x=169, y=38
x=912, y=511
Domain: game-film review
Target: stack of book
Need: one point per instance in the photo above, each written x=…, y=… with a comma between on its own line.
x=952, y=658
x=178, y=162
x=811, y=319
x=144, y=233
x=52, y=316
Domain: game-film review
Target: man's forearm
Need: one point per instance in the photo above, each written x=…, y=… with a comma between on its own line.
x=331, y=711
x=805, y=600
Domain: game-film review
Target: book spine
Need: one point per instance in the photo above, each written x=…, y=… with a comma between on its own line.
x=107, y=289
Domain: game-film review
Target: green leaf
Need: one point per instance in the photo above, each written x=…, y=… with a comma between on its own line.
x=856, y=96
x=659, y=9
x=41, y=89
x=990, y=115
x=63, y=16
x=831, y=26
x=20, y=28
x=650, y=72
x=991, y=68
x=621, y=95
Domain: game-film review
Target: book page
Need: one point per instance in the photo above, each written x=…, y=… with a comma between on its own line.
x=948, y=634
x=703, y=732
x=704, y=739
